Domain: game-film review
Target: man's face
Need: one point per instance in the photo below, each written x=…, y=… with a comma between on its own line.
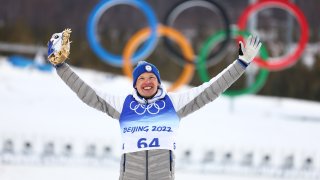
x=147, y=85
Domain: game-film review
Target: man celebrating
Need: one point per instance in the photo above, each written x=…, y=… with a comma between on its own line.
x=149, y=117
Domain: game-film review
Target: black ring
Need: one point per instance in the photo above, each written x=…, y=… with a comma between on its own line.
x=215, y=56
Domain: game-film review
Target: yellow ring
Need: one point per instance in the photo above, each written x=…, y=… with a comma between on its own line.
x=133, y=43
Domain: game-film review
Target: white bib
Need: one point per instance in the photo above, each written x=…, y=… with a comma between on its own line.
x=148, y=126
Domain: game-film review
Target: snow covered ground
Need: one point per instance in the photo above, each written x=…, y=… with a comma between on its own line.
x=88, y=173
x=36, y=107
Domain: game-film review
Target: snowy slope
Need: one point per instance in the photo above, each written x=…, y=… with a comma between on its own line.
x=37, y=106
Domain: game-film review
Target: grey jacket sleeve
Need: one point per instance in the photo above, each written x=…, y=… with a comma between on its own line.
x=109, y=104
x=195, y=98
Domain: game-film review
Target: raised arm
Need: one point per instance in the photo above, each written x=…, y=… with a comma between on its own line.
x=58, y=51
x=192, y=100
x=111, y=105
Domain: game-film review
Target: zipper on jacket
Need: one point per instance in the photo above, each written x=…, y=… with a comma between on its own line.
x=147, y=165
x=124, y=163
x=170, y=159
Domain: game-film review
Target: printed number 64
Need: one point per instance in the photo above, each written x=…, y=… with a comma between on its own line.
x=143, y=143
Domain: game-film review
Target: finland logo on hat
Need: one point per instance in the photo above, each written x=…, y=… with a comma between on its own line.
x=148, y=68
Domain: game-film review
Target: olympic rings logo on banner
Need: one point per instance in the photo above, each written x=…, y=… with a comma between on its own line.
x=189, y=59
x=153, y=108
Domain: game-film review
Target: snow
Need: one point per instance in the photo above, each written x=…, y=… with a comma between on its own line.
x=37, y=107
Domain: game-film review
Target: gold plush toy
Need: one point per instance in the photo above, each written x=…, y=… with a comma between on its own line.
x=59, y=47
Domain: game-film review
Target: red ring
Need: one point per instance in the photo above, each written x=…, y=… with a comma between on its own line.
x=288, y=60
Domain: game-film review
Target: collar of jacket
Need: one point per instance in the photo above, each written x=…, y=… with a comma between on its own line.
x=161, y=93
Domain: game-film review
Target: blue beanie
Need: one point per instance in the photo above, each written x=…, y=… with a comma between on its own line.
x=143, y=67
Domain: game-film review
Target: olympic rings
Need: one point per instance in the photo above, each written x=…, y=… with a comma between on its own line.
x=153, y=108
x=209, y=4
x=151, y=34
x=203, y=73
x=110, y=58
x=173, y=34
x=304, y=28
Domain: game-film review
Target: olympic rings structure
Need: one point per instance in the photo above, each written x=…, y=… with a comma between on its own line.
x=304, y=28
x=173, y=34
x=213, y=6
x=211, y=42
x=148, y=39
x=108, y=57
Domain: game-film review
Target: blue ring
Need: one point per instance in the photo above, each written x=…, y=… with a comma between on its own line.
x=116, y=60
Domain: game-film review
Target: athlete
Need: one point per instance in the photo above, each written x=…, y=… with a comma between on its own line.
x=149, y=117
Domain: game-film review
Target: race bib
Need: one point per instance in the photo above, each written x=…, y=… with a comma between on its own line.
x=148, y=126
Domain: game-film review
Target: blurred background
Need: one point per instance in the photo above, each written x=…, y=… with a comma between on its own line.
x=265, y=127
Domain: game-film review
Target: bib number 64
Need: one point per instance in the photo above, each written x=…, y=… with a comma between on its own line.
x=144, y=143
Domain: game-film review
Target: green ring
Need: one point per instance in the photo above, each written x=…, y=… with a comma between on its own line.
x=203, y=72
